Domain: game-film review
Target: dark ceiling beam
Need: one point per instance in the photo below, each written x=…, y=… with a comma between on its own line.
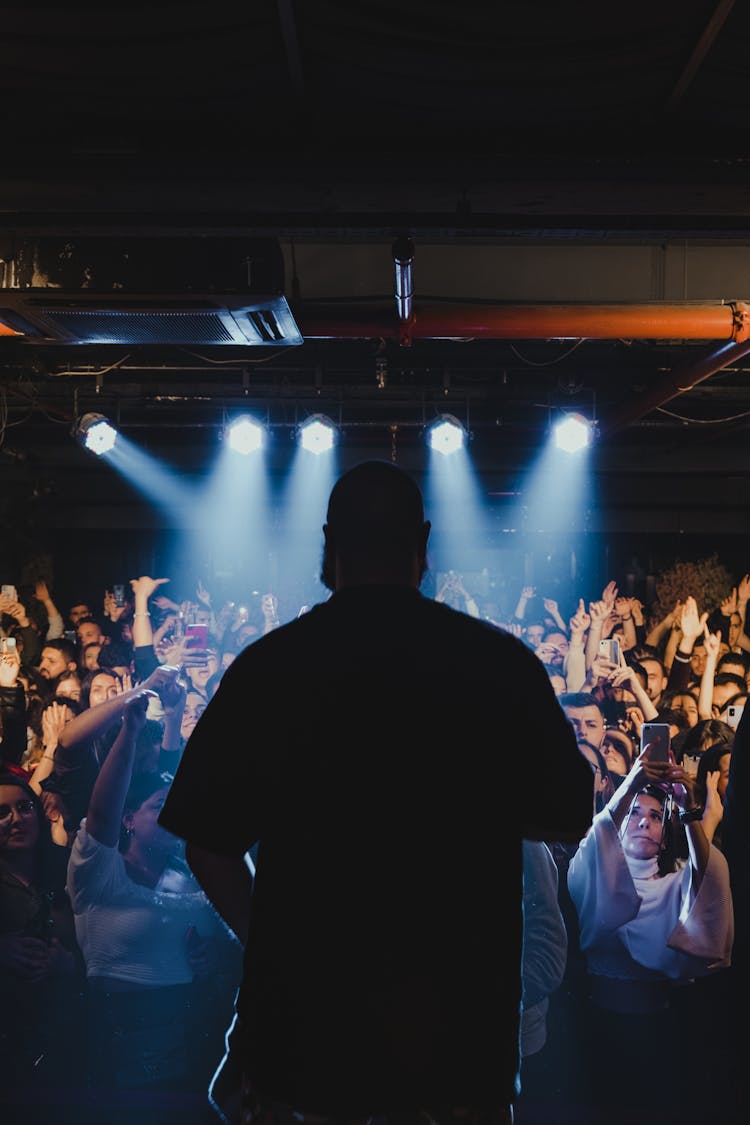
x=291, y=46
x=701, y=49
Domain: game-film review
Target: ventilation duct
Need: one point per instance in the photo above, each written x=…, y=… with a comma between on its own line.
x=140, y=291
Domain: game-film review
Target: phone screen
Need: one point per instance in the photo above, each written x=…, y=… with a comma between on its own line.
x=734, y=714
x=658, y=737
x=196, y=637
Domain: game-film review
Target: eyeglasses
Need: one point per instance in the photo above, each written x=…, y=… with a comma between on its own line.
x=24, y=808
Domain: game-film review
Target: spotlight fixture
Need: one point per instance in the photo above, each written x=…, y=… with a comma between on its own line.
x=446, y=434
x=317, y=434
x=245, y=434
x=95, y=433
x=573, y=433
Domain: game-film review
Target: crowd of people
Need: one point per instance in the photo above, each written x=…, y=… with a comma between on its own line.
x=122, y=976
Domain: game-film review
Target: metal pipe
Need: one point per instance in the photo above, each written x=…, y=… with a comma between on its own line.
x=528, y=322
x=672, y=385
x=403, y=256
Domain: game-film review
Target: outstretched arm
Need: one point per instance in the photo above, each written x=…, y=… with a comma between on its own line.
x=107, y=802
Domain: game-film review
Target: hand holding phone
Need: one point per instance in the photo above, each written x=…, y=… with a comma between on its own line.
x=609, y=648
x=657, y=737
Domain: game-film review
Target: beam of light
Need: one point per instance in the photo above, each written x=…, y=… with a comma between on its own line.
x=573, y=433
x=299, y=531
x=152, y=478
x=317, y=434
x=96, y=433
x=446, y=435
x=245, y=435
x=228, y=541
x=459, y=514
x=554, y=516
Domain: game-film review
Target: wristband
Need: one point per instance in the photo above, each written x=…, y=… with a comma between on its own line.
x=682, y=657
x=688, y=815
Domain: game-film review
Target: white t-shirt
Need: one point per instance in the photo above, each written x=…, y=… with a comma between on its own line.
x=128, y=931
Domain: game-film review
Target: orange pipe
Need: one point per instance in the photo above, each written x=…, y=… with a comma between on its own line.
x=529, y=322
x=671, y=385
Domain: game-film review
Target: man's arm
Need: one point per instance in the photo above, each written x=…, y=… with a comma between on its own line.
x=227, y=883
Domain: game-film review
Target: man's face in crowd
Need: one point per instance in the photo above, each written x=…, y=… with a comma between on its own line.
x=721, y=693
x=89, y=633
x=588, y=724
x=76, y=612
x=656, y=681
x=735, y=629
x=52, y=664
x=698, y=661
x=534, y=634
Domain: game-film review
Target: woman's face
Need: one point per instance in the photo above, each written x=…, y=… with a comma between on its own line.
x=144, y=826
x=70, y=687
x=103, y=687
x=195, y=705
x=19, y=820
x=615, y=750
x=687, y=705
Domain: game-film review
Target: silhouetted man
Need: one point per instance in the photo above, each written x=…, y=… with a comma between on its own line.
x=358, y=745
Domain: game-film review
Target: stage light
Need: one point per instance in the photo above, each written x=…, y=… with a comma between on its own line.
x=245, y=434
x=317, y=434
x=446, y=434
x=96, y=433
x=573, y=433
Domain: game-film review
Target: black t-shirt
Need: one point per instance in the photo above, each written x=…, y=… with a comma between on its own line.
x=389, y=754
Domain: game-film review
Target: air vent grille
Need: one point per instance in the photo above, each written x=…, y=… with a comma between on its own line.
x=98, y=327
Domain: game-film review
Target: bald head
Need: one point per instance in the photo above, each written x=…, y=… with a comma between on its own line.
x=375, y=529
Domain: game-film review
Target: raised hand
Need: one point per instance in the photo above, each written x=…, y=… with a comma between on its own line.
x=111, y=610
x=743, y=589
x=134, y=715
x=713, y=810
x=599, y=612
x=10, y=666
x=527, y=592
x=580, y=620
x=609, y=593
x=550, y=606
x=145, y=586
x=41, y=592
x=54, y=718
x=202, y=594
x=691, y=623
x=713, y=643
x=729, y=604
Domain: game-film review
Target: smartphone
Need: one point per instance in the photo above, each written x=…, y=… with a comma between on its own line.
x=10, y=592
x=610, y=650
x=119, y=596
x=196, y=638
x=734, y=714
x=658, y=736
x=71, y=635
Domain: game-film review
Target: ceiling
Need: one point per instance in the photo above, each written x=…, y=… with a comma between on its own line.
x=566, y=185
